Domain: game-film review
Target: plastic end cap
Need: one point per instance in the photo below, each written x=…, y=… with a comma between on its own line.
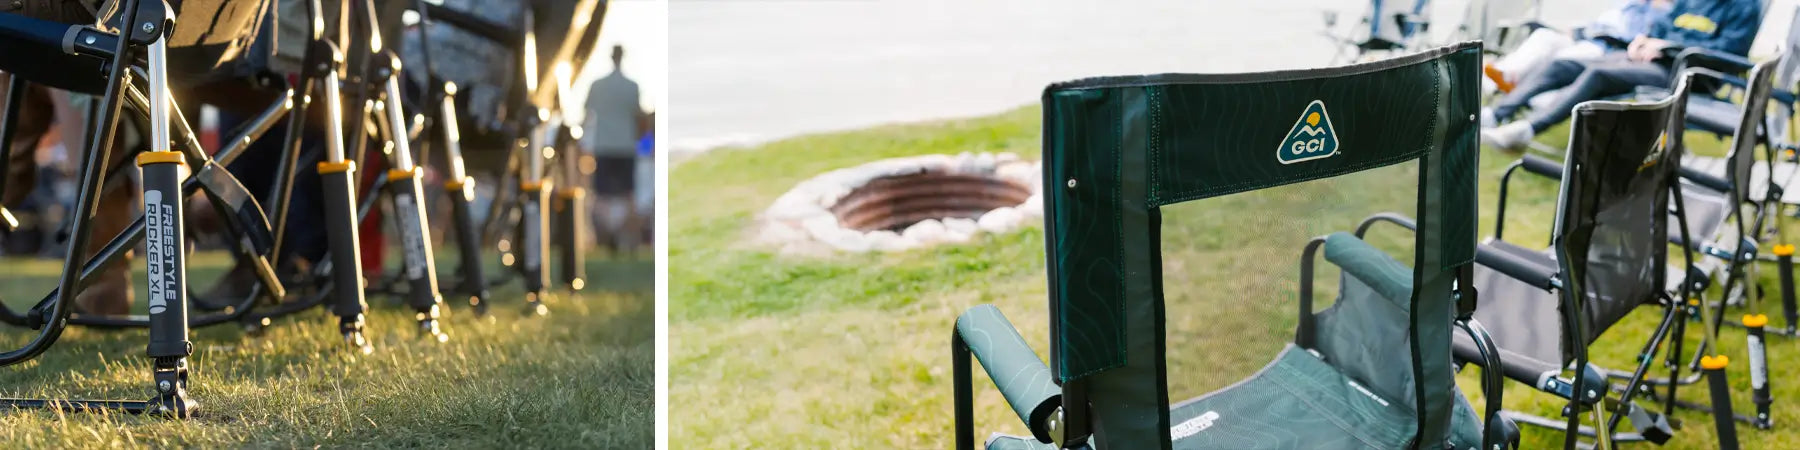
x=399, y=174
x=1714, y=362
x=148, y=158
x=1784, y=250
x=1755, y=320
x=337, y=167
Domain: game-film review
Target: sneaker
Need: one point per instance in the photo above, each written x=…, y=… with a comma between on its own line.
x=1512, y=136
x=1498, y=77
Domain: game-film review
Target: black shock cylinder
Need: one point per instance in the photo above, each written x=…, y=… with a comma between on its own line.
x=461, y=189
x=166, y=272
x=421, y=277
x=1720, y=390
x=569, y=211
x=468, y=242
x=532, y=231
x=164, y=248
x=338, y=179
x=1784, y=258
x=1759, y=369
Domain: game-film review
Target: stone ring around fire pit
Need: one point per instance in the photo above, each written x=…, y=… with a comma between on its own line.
x=905, y=203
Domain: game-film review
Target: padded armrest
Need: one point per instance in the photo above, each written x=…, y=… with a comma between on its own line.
x=1699, y=57
x=1515, y=266
x=1374, y=267
x=1541, y=166
x=1704, y=179
x=1023, y=379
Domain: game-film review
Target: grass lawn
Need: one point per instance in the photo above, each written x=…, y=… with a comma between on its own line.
x=581, y=377
x=852, y=351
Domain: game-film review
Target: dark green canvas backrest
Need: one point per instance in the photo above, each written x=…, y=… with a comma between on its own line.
x=1118, y=148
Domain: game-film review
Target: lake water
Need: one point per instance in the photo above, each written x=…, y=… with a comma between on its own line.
x=746, y=71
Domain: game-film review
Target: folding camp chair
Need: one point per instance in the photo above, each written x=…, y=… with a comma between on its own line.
x=1374, y=370
x=72, y=57
x=1608, y=257
x=1719, y=115
x=1390, y=26
x=1500, y=25
x=529, y=124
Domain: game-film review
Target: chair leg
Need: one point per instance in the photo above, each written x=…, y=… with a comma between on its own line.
x=1759, y=369
x=339, y=183
x=1720, y=391
x=167, y=273
x=409, y=215
x=570, y=208
x=461, y=189
x=534, y=194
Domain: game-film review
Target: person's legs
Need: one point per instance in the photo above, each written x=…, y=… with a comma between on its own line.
x=1597, y=82
x=1555, y=75
x=1541, y=47
x=111, y=292
x=35, y=117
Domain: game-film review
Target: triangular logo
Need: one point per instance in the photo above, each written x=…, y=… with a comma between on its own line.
x=1311, y=138
x=1656, y=152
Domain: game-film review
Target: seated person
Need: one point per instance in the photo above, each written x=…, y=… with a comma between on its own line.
x=1725, y=26
x=1606, y=34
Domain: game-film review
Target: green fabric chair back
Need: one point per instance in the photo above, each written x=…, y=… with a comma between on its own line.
x=1116, y=149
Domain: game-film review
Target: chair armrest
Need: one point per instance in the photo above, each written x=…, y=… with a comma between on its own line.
x=1515, y=267
x=1500, y=432
x=1531, y=163
x=1541, y=166
x=1023, y=379
x=1704, y=179
x=1690, y=57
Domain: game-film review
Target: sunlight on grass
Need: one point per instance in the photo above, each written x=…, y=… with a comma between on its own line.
x=581, y=377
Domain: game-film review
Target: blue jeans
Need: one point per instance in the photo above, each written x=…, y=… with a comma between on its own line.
x=1585, y=80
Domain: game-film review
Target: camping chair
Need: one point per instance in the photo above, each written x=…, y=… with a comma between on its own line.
x=71, y=57
x=1373, y=370
x=1500, y=25
x=524, y=119
x=1718, y=114
x=1391, y=28
x=1607, y=257
x=1706, y=206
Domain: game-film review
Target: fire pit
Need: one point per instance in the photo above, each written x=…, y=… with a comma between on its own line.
x=904, y=203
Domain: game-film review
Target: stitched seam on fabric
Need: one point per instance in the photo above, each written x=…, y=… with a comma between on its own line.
x=1119, y=234
x=1155, y=145
x=1249, y=186
x=1118, y=132
x=1345, y=427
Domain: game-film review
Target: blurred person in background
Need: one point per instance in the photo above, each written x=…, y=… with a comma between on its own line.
x=614, y=122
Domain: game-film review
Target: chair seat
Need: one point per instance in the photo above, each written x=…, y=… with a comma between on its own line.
x=1706, y=213
x=1297, y=401
x=1521, y=318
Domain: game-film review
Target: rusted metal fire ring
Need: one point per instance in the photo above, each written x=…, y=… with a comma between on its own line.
x=903, y=203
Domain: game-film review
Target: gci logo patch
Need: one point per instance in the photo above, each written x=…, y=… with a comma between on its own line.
x=1311, y=138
